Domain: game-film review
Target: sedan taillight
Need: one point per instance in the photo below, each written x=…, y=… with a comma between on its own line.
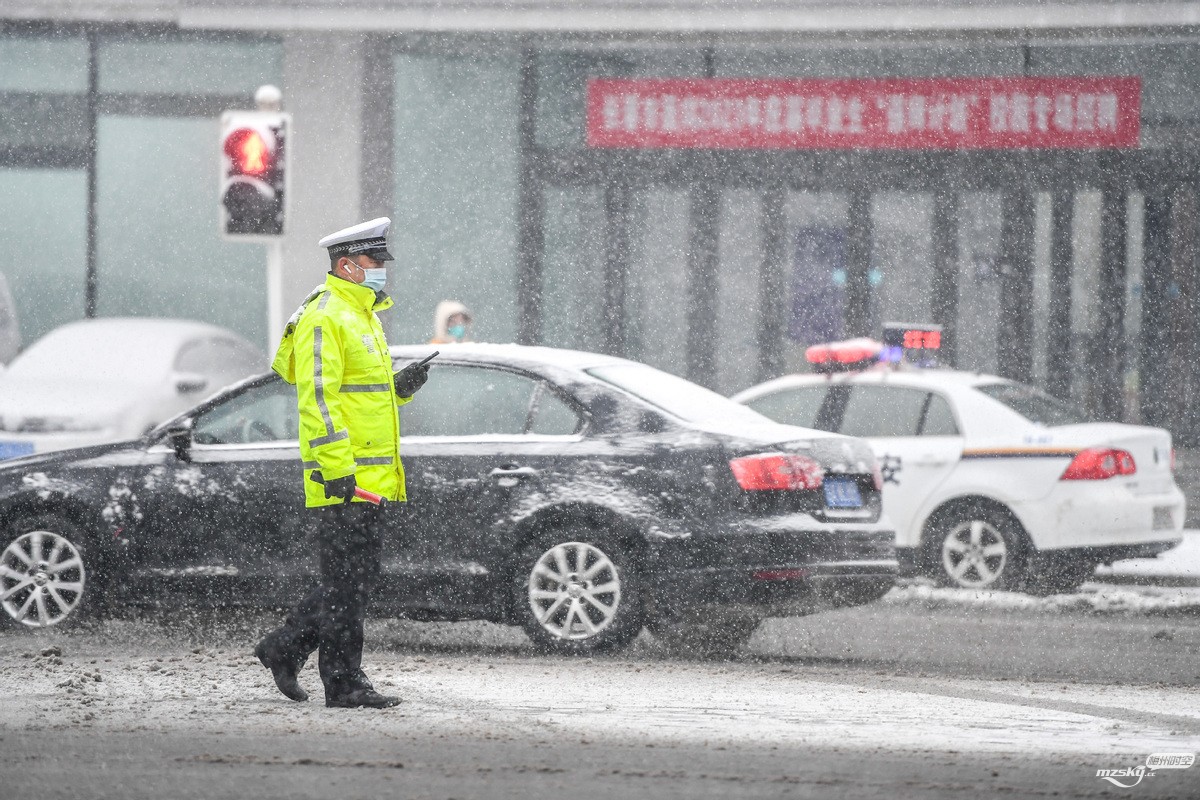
x=1100, y=463
x=776, y=471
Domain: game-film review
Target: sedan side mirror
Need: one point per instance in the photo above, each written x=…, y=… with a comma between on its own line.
x=189, y=383
x=180, y=438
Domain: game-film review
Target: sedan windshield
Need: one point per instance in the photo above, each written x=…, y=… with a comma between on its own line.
x=1034, y=404
x=674, y=395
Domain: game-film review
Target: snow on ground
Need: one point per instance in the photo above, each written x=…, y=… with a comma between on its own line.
x=1181, y=561
x=102, y=683
x=1092, y=597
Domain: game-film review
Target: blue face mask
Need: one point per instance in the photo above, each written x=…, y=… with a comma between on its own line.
x=374, y=279
x=457, y=331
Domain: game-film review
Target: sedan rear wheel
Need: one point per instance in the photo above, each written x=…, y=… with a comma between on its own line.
x=577, y=593
x=977, y=549
x=44, y=577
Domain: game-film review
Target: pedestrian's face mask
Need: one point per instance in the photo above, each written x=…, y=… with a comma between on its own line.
x=458, y=330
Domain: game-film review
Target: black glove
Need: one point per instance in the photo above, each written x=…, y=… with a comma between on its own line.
x=341, y=487
x=411, y=378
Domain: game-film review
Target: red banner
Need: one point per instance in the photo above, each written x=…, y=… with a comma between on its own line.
x=920, y=113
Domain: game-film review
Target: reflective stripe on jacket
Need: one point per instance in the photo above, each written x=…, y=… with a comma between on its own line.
x=333, y=350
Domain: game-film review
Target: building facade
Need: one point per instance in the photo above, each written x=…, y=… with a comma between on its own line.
x=479, y=128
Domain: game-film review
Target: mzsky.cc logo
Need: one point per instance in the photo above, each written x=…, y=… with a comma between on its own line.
x=1155, y=761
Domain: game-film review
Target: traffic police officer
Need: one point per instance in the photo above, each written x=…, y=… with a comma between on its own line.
x=333, y=350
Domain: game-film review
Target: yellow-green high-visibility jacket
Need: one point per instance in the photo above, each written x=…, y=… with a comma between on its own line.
x=333, y=350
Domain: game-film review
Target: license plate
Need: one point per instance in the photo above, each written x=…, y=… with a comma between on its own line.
x=842, y=493
x=15, y=449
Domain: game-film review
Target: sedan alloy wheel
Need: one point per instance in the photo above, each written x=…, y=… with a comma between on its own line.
x=975, y=554
x=42, y=579
x=578, y=595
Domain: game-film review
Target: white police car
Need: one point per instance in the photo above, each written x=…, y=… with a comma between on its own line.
x=990, y=483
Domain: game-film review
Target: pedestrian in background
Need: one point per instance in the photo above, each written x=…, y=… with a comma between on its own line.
x=333, y=350
x=451, y=323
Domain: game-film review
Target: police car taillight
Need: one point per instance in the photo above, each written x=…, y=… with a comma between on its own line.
x=1100, y=463
x=776, y=472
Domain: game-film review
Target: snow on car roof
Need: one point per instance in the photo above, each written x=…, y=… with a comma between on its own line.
x=126, y=347
x=924, y=378
x=511, y=353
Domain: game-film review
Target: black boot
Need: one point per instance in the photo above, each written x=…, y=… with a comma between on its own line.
x=283, y=669
x=361, y=698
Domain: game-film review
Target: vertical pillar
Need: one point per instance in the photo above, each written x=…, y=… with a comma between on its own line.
x=1184, y=303
x=944, y=283
x=90, y=286
x=1156, y=326
x=530, y=209
x=616, y=265
x=702, y=271
x=378, y=179
x=859, y=237
x=1014, y=334
x=1058, y=324
x=321, y=93
x=1108, y=377
x=773, y=295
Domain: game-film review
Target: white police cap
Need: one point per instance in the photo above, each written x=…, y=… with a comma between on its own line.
x=366, y=237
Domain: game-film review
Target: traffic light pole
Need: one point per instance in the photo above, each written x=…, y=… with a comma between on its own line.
x=274, y=295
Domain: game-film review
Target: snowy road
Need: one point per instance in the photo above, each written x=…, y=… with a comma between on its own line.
x=910, y=697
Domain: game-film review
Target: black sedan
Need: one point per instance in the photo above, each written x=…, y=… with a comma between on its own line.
x=577, y=495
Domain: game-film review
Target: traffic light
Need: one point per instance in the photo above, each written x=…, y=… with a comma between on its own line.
x=253, y=173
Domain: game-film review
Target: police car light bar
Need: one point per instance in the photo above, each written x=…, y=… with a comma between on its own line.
x=843, y=356
x=919, y=344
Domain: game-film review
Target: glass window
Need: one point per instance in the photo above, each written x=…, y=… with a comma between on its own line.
x=883, y=411
x=979, y=281
x=552, y=416
x=29, y=64
x=469, y=401
x=739, y=292
x=573, y=296
x=159, y=250
x=194, y=66
x=798, y=406
x=265, y=413
x=675, y=395
x=814, y=273
x=657, y=283
x=456, y=165
x=939, y=419
x=43, y=230
x=1034, y=404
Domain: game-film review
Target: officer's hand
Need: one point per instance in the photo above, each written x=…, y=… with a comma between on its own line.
x=411, y=378
x=341, y=487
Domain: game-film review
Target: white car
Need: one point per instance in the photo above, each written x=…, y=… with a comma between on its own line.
x=993, y=484
x=109, y=379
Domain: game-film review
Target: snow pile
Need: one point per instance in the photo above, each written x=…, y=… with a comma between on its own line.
x=1181, y=561
x=1093, y=597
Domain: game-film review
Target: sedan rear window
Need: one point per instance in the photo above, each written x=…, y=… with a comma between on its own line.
x=1034, y=404
x=678, y=397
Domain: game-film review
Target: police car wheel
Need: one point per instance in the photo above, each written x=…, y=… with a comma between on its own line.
x=47, y=577
x=577, y=591
x=976, y=548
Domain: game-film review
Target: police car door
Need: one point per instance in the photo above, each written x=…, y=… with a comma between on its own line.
x=915, y=438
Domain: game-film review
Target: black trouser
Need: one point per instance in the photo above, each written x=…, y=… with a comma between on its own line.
x=331, y=616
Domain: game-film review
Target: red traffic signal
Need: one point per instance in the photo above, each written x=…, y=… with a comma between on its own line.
x=253, y=173
x=247, y=152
